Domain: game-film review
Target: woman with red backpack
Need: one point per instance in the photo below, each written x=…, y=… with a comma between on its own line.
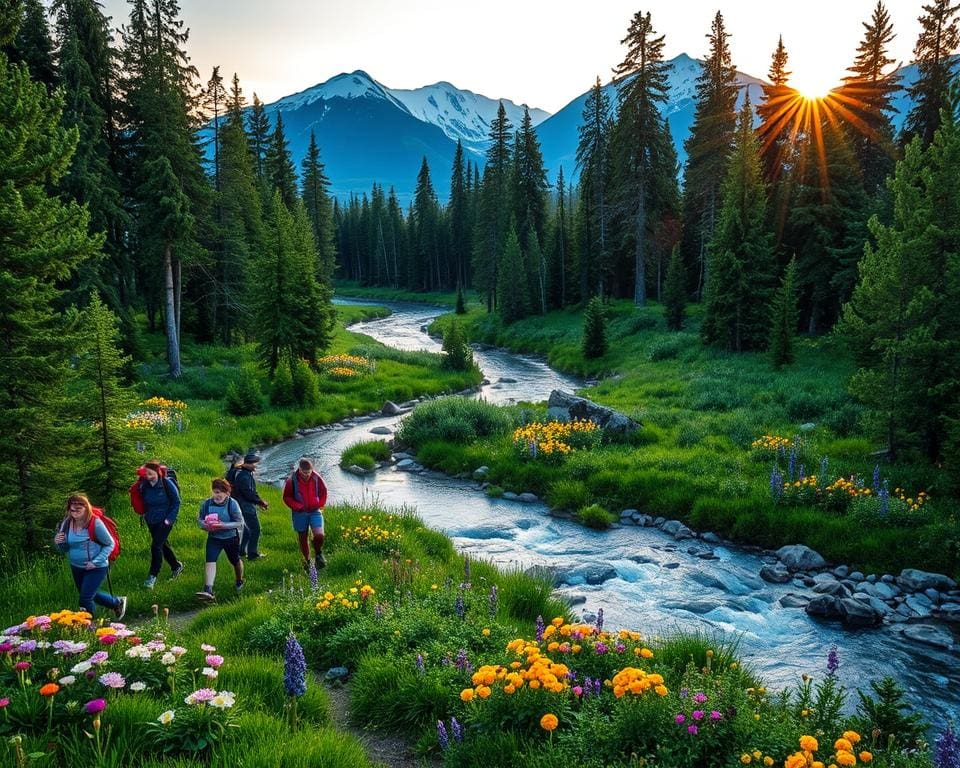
x=87, y=542
x=161, y=505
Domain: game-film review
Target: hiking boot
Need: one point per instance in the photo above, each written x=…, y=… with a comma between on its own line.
x=121, y=609
x=151, y=580
x=320, y=561
x=206, y=596
x=176, y=571
x=306, y=567
x=239, y=586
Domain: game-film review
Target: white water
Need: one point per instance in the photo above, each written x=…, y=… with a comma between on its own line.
x=659, y=586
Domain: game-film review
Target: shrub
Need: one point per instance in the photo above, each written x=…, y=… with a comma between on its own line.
x=365, y=454
x=594, y=329
x=454, y=419
x=596, y=517
x=457, y=354
x=244, y=396
x=803, y=406
x=305, y=387
x=281, y=391
x=667, y=349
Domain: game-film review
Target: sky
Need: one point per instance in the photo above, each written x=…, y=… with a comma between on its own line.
x=543, y=53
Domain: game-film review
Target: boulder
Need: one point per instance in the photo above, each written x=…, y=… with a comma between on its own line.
x=798, y=557
x=841, y=571
x=564, y=406
x=919, y=605
x=793, y=600
x=826, y=607
x=775, y=574
x=834, y=588
x=915, y=580
x=480, y=473
x=884, y=591
x=858, y=614
x=336, y=674
x=711, y=538
x=822, y=578
x=599, y=574
x=934, y=596
x=381, y=431
x=678, y=530
x=409, y=465
x=929, y=635
x=528, y=498
x=390, y=408
x=356, y=469
x=629, y=513
x=948, y=612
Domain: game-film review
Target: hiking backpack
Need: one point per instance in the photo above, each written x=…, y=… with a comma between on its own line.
x=111, y=526
x=136, y=490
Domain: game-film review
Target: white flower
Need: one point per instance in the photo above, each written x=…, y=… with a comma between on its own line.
x=81, y=668
x=178, y=650
x=46, y=644
x=138, y=652
x=223, y=700
x=138, y=686
x=210, y=673
x=167, y=716
x=168, y=659
x=67, y=680
x=208, y=648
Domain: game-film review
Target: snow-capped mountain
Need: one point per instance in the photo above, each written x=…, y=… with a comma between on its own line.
x=559, y=134
x=462, y=114
x=353, y=85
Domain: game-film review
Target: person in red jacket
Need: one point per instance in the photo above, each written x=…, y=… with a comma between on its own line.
x=306, y=494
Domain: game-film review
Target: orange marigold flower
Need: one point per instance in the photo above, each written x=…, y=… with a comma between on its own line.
x=549, y=722
x=49, y=689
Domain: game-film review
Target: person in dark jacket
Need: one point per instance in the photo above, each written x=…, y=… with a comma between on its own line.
x=245, y=492
x=306, y=495
x=89, y=555
x=161, y=503
x=221, y=518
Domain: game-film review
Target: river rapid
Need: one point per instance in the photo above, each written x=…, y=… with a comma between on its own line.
x=650, y=582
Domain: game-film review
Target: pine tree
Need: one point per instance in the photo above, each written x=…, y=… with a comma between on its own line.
x=558, y=258
x=536, y=270
x=214, y=103
x=316, y=201
x=259, y=134
x=939, y=39
x=278, y=169
x=783, y=326
x=459, y=216
x=675, y=291
x=529, y=196
x=866, y=96
x=461, y=306
x=105, y=401
x=47, y=238
x=512, y=294
x=493, y=214
x=457, y=354
x=777, y=110
x=426, y=223
x=641, y=142
x=593, y=164
x=594, y=329
x=741, y=258
x=32, y=45
x=708, y=149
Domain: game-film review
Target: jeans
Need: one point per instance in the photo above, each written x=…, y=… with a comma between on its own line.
x=250, y=543
x=88, y=583
x=159, y=549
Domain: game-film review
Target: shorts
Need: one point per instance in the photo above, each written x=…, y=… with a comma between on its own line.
x=304, y=520
x=231, y=546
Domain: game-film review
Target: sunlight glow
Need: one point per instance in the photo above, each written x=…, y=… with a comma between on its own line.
x=812, y=85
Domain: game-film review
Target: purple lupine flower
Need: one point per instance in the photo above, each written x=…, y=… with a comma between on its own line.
x=378, y=611
x=492, y=600
x=776, y=483
x=600, y=620
x=802, y=473
x=885, y=498
x=294, y=668
x=540, y=628
x=462, y=662
x=597, y=686
x=833, y=661
x=442, y=735
x=587, y=687
x=460, y=607
x=421, y=667
x=456, y=729
x=314, y=577
x=946, y=751
x=876, y=478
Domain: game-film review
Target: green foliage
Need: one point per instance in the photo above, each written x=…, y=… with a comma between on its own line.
x=244, y=396
x=595, y=516
x=513, y=301
x=458, y=356
x=594, y=329
x=784, y=318
x=365, y=454
x=675, y=291
x=885, y=713
x=304, y=384
x=455, y=419
x=281, y=388
x=461, y=307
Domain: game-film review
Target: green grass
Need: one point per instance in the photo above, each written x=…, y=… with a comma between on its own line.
x=365, y=454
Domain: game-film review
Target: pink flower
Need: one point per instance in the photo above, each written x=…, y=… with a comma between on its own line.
x=715, y=715
x=201, y=696
x=697, y=714
x=22, y=666
x=4, y=703
x=681, y=718
x=99, y=657
x=699, y=698
x=214, y=661
x=577, y=690
x=108, y=639
x=692, y=730
x=113, y=680
x=95, y=706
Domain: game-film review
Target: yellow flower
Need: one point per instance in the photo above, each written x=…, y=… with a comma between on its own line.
x=549, y=722
x=796, y=760
x=768, y=761
x=852, y=736
x=808, y=743
x=486, y=632
x=846, y=758
x=466, y=694
x=843, y=744
x=745, y=759
x=865, y=757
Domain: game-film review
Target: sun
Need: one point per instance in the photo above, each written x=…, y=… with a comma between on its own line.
x=812, y=85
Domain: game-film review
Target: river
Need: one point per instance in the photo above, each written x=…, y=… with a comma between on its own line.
x=655, y=585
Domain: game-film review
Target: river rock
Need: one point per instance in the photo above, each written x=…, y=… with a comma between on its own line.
x=356, y=469
x=855, y=576
x=775, y=574
x=510, y=496
x=929, y=635
x=643, y=520
x=858, y=614
x=711, y=538
x=699, y=607
x=659, y=521
x=915, y=580
x=888, y=578
x=573, y=600
x=793, y=600
x=564, y=406
x=588, y=617
x=480, y=473
x=599, y=574
x=919, y=605
x=528, y=498
x=933, y=595
x=708, y=580
x=841, y=571
x=390, y=408
x=822, y=578
x=671, y=566
x=678, y=530
x=629, y=513
x=336, y=674
x=833, y=588
x=381, y=431
x=798, y=557
x=409, y=465
x=506, y=380
x=948, y=612
x=807, y=426
x=825, y=606
x=884, y=591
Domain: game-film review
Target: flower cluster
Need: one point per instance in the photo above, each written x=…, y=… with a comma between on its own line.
x=769, y=446
x=343, y=367
x=843, y=752
x=555, y=438
x=346, y=601
x=371, y=536
x=914, y=503
x=756, y=756
x=637, y=682
x=158, y=413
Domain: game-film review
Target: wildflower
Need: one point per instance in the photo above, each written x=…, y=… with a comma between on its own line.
x=697, y=714
x=442, y=735
x=294, y=668
x=466, y=694
x=67, y=680
x=699, y=697
x=138, y=686
x=22, y=666
x=680, y=719
x=208, y=648
x=95, y=706
x=808, y=744
x=540, y=627
x=168, y=659
x=846, y=758
x=214, y=661
x=833, y=661
x=210, y=673
x=49, y=689
x=167, y=717
x=4, y=703
x=223, y=700
x=947, y=749
x=421, y=667
x=549, y=722
x=692, y=730
x=201, y=696
x=714, y=715
x=456, y=729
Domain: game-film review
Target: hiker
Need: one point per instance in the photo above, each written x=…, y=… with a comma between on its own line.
x=306, y=494
x=245, y=492
x=84, y=538
x=161, y=504
x=221, y=518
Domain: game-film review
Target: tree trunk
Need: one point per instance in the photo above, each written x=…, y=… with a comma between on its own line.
x=640, y=286
x=170, y=313
x=177, y=293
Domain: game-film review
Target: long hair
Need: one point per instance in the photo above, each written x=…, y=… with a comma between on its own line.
x=78, y=498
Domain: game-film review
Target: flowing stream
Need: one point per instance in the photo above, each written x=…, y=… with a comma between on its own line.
x=649, y=582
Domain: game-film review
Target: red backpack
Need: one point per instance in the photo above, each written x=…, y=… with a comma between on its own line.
x=111, y=527
x=136, y=492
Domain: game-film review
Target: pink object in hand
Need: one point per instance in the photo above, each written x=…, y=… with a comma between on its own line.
x=212, y=520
